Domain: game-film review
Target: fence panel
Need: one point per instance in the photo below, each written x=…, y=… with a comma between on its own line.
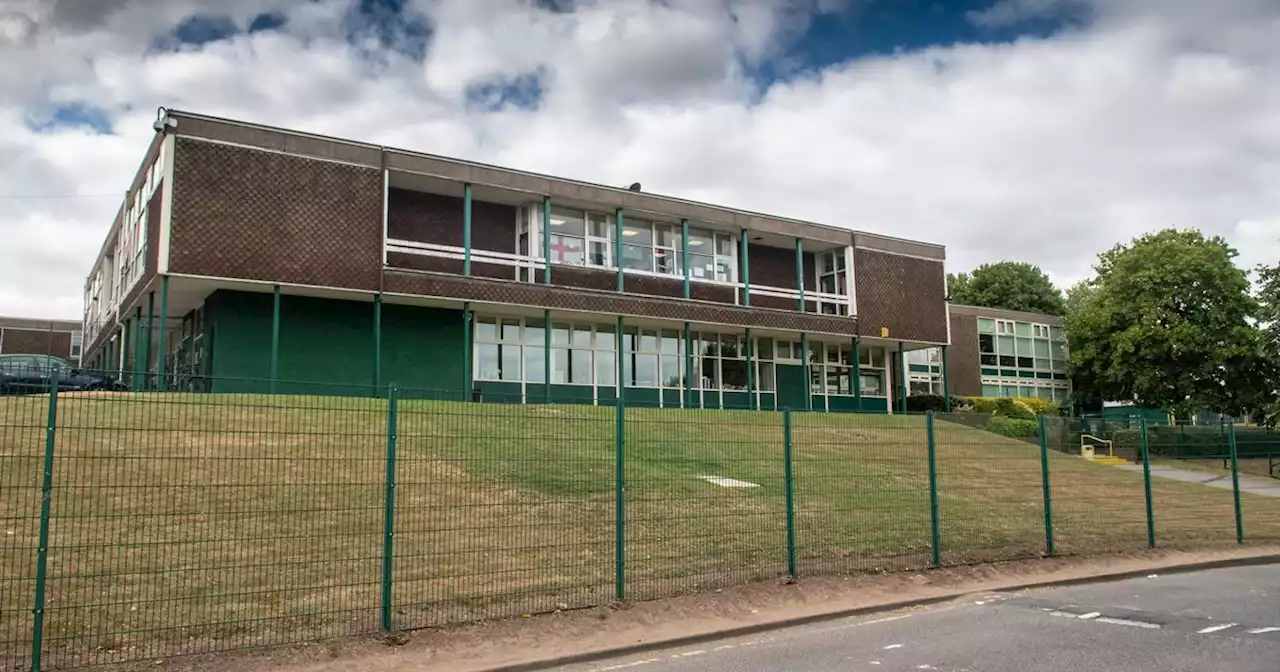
x=1191, y=485
x=195, y=523
x=22, y=444
x=990, y=490
x=502, y=509
x=862, y=492
x=1258, y=452
x=705, y=499
x=1098, y=504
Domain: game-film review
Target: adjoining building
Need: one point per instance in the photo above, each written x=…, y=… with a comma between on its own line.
x=997, y=353
x=245, y=253
x=26, y=336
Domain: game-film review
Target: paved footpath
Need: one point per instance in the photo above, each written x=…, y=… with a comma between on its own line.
x=1266, y=487
x=1221, y=620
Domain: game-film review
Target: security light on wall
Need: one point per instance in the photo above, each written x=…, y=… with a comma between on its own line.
x=635, y=186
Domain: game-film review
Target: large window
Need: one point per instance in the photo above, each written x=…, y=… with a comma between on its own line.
x=1023, y=359
x=578, y=238
x=833, y=279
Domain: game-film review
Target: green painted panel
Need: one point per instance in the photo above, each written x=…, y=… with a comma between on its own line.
x=838, y=403
x=768, y=401
x=1011, y=373
x=1044, y=374
x=327, y=346
x=566, y=394
x=736, y=400
x=919, y=368
x=671, y=398
x=875, y=405
x=641, y=397
x=990, y=372
x=791, y=386
x=606, y=396
x=492, y=391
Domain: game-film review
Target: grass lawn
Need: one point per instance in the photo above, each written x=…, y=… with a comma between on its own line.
x=185, y=523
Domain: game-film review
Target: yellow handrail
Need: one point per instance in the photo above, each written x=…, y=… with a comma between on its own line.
x=1105, y=442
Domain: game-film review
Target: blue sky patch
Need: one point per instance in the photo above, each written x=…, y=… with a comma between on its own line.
x=197, y=30
x=267, y=21
x=524, y=91
x=73, y=115
x=393, y=24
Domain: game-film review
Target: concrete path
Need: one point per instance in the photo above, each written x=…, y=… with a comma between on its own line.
x=1248, y=483
x=1223, y=619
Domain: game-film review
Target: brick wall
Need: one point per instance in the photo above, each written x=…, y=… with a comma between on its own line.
x=35, y=342
x=906, y=295
x=962, y=356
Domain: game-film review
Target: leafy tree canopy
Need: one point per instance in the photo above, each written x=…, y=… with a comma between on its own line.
x=1011, y=285
x=1167, y=322
x=1269, y=334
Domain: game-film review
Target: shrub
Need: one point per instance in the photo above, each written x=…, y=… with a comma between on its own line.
x=1040, y=406
x=920, y=403
x=1017, y=428
x=1014, y=408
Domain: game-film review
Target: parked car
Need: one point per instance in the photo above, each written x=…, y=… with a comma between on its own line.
x=33, y=374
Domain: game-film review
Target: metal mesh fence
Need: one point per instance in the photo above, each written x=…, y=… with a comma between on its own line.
x=181, y=523
x=990, y=492
x=861, y=492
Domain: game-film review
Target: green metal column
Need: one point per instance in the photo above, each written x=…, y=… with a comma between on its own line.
x=546, y=241
x=275, y=337
x=752, y=398
x=121, y=355
x=946, y=381
x=1045, y=486
x=546, y=357
x=377, y=342
x=42, y=548
x=684, y=255
x=808, y=385
x=138, y=384
x=619, y=495
x=1146, y=483
x=622, y=384
x=790, y=492
x=466, y=229
x=466, y=351
x=688, y=365
x=935, y=528
x=160, y=344
x=1235, y=480
x=800, y=271
x=857, y=374
x=147, y=340
x=389, y=508
x=617, y=248
x=746, y=272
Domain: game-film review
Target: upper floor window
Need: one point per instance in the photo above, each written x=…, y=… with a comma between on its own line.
x=833, y=278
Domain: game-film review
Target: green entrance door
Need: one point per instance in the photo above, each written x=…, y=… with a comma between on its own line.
x=791, y=386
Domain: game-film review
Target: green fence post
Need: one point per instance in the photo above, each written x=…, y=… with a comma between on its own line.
x=1044, y=484
x=789, y=475
x=389, y=508
x=1146, y=482
x=275, y=336
x=46, y=503
x=161, y=346
x=620, y=507
x=546, y=355
x=935, y=533
x=1235, y=480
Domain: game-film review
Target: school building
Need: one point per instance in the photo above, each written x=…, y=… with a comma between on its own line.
x=996, y=353
x=246, y=254
x=28, y=336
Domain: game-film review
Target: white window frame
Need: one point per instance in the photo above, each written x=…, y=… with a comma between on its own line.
x=837, y=257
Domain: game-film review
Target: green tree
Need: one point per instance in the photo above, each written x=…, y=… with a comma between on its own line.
x=1012, y=285
x=1167, y=323
x=1269, y=336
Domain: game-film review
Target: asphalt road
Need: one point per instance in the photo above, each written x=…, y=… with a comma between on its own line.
x=1224, y=620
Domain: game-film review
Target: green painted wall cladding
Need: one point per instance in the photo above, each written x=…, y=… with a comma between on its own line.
x=327, y=346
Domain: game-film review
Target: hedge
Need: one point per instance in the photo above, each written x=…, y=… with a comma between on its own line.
x=1017, y=428
x=1014, y=407
x=1200, y=442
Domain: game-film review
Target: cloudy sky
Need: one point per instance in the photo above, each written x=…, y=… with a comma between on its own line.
x=1036, y=130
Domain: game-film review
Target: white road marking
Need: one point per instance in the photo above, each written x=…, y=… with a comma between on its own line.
x=1064, y=614
x=724, y=647
x=1092, y=614
x=1216, y=628
x=1125, y=621
x=884, y=620
x=687, y=654
x=1259, y=631
x=625, y=666
x=875, y=662
x=893, y=646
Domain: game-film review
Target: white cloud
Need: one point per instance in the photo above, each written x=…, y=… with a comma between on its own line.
x=1042, y=150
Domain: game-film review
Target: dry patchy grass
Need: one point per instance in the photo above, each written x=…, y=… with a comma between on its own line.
x=185, y=523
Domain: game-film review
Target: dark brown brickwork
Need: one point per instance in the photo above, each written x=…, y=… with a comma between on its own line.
x=904, y=294
x=776, y=267
x=35, y=342
x=610, y=303
x=704, y=291
x=244, y=213
x=651, y=286
x=436, y=219
x=962, y=356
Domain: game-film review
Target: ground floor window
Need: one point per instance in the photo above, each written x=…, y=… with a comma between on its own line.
x=1049, y=390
